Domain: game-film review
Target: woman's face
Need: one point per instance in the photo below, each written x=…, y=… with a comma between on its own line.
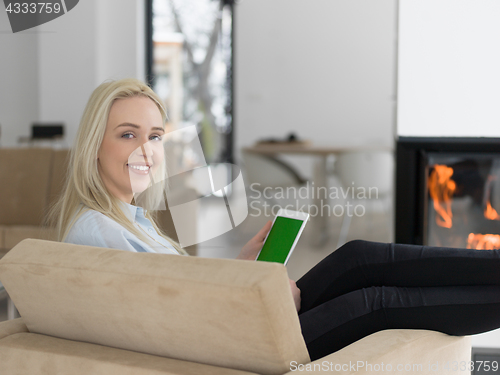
x=132, y=149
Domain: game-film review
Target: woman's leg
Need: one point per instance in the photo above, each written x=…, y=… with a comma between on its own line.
x=455, y=310
x=362, y=264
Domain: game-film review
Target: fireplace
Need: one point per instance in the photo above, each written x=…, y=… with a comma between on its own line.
x=448, y=192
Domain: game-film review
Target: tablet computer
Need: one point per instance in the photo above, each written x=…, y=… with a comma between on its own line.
x=283, y=236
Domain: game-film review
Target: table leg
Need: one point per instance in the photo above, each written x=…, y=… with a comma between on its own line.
x=319, y=217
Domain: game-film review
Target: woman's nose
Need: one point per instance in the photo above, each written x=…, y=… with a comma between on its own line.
x=145, y=151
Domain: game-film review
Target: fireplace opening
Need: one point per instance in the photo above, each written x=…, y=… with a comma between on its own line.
x=463, y=200
x=448, y=192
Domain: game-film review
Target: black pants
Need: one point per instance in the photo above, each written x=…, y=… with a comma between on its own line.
x=364, y=287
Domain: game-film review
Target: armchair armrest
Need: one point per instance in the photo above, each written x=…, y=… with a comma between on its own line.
x=11, y=327
x=396, y=352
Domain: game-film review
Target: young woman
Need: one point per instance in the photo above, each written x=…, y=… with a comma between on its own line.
x=361, y=288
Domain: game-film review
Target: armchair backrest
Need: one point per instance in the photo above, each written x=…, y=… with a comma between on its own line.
x=228, y=313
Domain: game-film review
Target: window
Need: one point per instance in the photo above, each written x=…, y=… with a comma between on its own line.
x=190, y=65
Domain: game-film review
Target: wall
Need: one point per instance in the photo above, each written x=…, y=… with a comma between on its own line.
x=324, y=69
x=50, y=71
x=121, y=39
x=67, y=66
x=449, y=68
x=18, y=81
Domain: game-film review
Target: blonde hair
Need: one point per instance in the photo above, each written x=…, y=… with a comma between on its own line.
x=84, y=189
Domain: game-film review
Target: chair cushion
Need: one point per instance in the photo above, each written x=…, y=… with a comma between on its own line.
x=29, y=353
x=228, y=313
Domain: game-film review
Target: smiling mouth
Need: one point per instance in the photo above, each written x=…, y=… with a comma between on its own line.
x=139, y=168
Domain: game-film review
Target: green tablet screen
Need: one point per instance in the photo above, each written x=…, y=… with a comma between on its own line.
x=280, y=239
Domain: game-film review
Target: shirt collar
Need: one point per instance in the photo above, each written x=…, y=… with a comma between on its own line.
x=132, y=212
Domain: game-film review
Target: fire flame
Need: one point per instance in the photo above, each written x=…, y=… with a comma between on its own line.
x=489, y=212
x=483, y=241
x=441, y=189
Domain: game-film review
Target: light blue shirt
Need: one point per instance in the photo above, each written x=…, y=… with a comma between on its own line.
x=93, y=228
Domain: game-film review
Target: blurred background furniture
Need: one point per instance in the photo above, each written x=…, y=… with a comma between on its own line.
x=370, y=172
x=318, y=222
x=319, y=182
x=230, y=318
x=32, y=178
x=263, y=171
x=45, y=135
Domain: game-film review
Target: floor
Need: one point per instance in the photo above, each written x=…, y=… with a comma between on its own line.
x=375, y=224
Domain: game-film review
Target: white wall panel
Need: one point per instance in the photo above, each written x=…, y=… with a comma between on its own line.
x=449, y=68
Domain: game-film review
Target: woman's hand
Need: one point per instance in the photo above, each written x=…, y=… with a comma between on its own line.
x=252, y=248
x=295, y=294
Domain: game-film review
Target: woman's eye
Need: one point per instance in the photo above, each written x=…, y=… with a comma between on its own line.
x=128, y=135
x=155, y=137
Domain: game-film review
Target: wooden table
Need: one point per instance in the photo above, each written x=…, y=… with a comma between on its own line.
x=319, y=223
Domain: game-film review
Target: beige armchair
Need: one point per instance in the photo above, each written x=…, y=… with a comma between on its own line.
x=87, y=310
